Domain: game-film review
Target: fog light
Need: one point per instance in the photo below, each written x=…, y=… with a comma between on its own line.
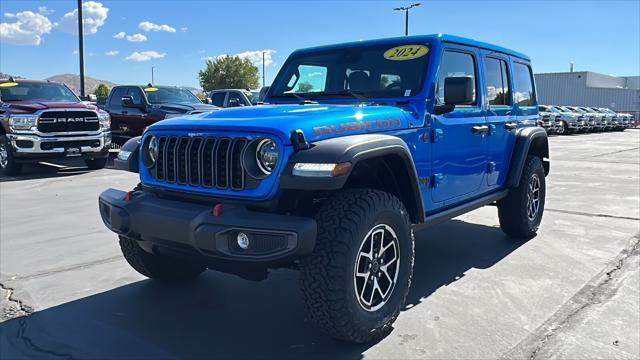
x=243, y=241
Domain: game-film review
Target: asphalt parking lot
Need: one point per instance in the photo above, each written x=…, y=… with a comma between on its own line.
x=572, y=292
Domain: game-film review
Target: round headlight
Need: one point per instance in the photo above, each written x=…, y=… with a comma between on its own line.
x=153, y=149
x=150, y=151
x=267, y=155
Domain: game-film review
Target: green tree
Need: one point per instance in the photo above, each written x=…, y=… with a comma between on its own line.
x=102, y=90
x=304, y=87
x=229, y=72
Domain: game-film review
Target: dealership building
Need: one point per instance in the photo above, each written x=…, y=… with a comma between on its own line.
x=586, y=88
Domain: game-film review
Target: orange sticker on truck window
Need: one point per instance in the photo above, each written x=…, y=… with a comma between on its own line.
x=9, y=84
x=406, y=52
x=150, y=89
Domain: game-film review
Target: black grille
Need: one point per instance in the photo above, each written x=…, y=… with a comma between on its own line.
x=49, y=145
x=201, y=161
x=68, y=121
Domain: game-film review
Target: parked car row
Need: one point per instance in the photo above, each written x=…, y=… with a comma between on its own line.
x=563, y=120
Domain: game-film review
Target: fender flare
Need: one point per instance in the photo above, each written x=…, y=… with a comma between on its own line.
x=525, y=137
x=353, y=149
x=132, y=163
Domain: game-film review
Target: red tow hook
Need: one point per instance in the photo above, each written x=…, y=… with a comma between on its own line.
x=217, y=210
x=129, y=195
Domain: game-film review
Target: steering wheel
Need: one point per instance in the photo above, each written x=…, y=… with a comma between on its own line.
x=394, y=85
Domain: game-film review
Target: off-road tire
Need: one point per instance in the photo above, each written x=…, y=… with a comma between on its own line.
x=97, y=163
x=512, y=210
x=156, y=266
x=11, y=168
x=327, y=274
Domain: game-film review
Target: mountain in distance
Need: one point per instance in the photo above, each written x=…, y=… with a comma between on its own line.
x=73, y=82
x=6, y=76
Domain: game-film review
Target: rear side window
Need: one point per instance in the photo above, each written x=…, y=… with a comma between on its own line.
x=455, y=64
x=116, y=96
x=217, y=99
x=523, y=85
x=236, y=96
x=495, y=71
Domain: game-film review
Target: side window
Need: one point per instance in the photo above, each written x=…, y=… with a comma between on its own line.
x=217, y=99
x=523, y=85
x=136, y=95
x=116, y=97
x=495, y=71
x=456, y=64
x=235, y=96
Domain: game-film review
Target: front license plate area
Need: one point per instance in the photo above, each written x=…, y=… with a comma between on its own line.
x=72, y=151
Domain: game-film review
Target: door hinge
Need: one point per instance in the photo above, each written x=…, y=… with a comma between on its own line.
x=491, y=167
x=437, y=134
x=436, y=179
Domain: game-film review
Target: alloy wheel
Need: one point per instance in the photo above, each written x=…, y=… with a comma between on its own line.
x=377, y=267
x=533, y=197
x=4, y=156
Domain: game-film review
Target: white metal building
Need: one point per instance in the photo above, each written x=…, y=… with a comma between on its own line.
x=586, y=88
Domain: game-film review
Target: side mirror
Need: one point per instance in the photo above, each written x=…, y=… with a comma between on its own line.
x=458, y=90
x=127, y=101
x=233, y=103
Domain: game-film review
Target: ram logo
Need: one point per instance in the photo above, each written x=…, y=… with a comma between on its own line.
x=65, y=120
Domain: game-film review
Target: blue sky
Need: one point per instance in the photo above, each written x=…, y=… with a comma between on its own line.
x=176, y=36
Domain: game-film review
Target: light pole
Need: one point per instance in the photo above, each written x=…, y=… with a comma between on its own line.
x=152, y=82
x=263, y=80
x=81, y=48
x=406, y=15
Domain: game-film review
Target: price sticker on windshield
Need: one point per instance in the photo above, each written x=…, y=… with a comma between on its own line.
x=150, y=89
x=406, y=52
x=8, y=84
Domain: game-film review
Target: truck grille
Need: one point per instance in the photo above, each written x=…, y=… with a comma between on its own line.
x=201, y=161
x=68, y=121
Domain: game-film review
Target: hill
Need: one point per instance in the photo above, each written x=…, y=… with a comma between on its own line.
x=73, y=82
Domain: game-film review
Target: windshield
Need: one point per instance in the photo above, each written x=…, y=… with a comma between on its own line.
x=253, y=96
x=36, y=92
x=367, y=71
x=170, y=95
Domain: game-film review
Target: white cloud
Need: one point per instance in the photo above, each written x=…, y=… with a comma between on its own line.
x=112, y=53
x=145, y=56
x=120, y=35
x=75, y=52
x=136, y=38
x=44, y=11
x=254, y=56
x=184, y=29
x=94, y=15
x=27, y=30
x=149, y=26
x=9, y=15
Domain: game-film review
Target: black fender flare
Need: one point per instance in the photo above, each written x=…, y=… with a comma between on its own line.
x=525, y=138
x=132, y=163
x=353, y=149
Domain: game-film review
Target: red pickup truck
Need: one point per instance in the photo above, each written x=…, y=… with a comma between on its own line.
x=42, y=120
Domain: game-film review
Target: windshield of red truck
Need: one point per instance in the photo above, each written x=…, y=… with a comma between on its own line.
x=36, y=92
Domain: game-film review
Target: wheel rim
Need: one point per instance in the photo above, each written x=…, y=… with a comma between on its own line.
x=4, y=156
x=377, y=267
x=533, y=197
x=561, y=129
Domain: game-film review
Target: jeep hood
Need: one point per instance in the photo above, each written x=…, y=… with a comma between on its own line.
x=27, y=107
x=317, y=121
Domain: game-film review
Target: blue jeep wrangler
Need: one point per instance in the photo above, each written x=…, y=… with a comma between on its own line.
x=357, y=146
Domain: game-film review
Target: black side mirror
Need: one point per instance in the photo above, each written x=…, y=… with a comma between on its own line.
x=458, y=90
x=127, y=101
x=233, y=103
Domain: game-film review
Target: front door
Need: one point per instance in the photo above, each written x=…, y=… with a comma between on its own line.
x=459, y=144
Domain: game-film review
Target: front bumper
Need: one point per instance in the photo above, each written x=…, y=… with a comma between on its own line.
x=29, y=146
x=190, y=229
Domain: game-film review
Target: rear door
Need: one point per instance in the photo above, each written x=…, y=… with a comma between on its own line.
x=114, y=108
x=500, y=116
x=458, y=148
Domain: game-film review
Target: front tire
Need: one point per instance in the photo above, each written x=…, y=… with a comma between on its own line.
x=563, y=129
x=520, y=213
x=8, y=165
x=96, y=164
x=356, y=280
x=157, y=266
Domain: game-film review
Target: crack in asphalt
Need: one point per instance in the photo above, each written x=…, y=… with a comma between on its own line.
x=597, y=291
x=571, y=212
x=616, y=152
x=64, y=269
x=22, y=309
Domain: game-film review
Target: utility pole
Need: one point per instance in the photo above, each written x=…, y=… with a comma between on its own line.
x=263, y=79
x=152, y=82
x=81, y=48
x=406, y=15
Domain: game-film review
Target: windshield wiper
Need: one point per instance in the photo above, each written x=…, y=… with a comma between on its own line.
x=300, y=99
x=354, y=94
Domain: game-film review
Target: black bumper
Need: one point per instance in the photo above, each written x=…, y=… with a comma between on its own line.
x=190, y=229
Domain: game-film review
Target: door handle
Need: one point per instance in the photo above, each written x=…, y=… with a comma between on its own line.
x=510, y=126
x=480, y=129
